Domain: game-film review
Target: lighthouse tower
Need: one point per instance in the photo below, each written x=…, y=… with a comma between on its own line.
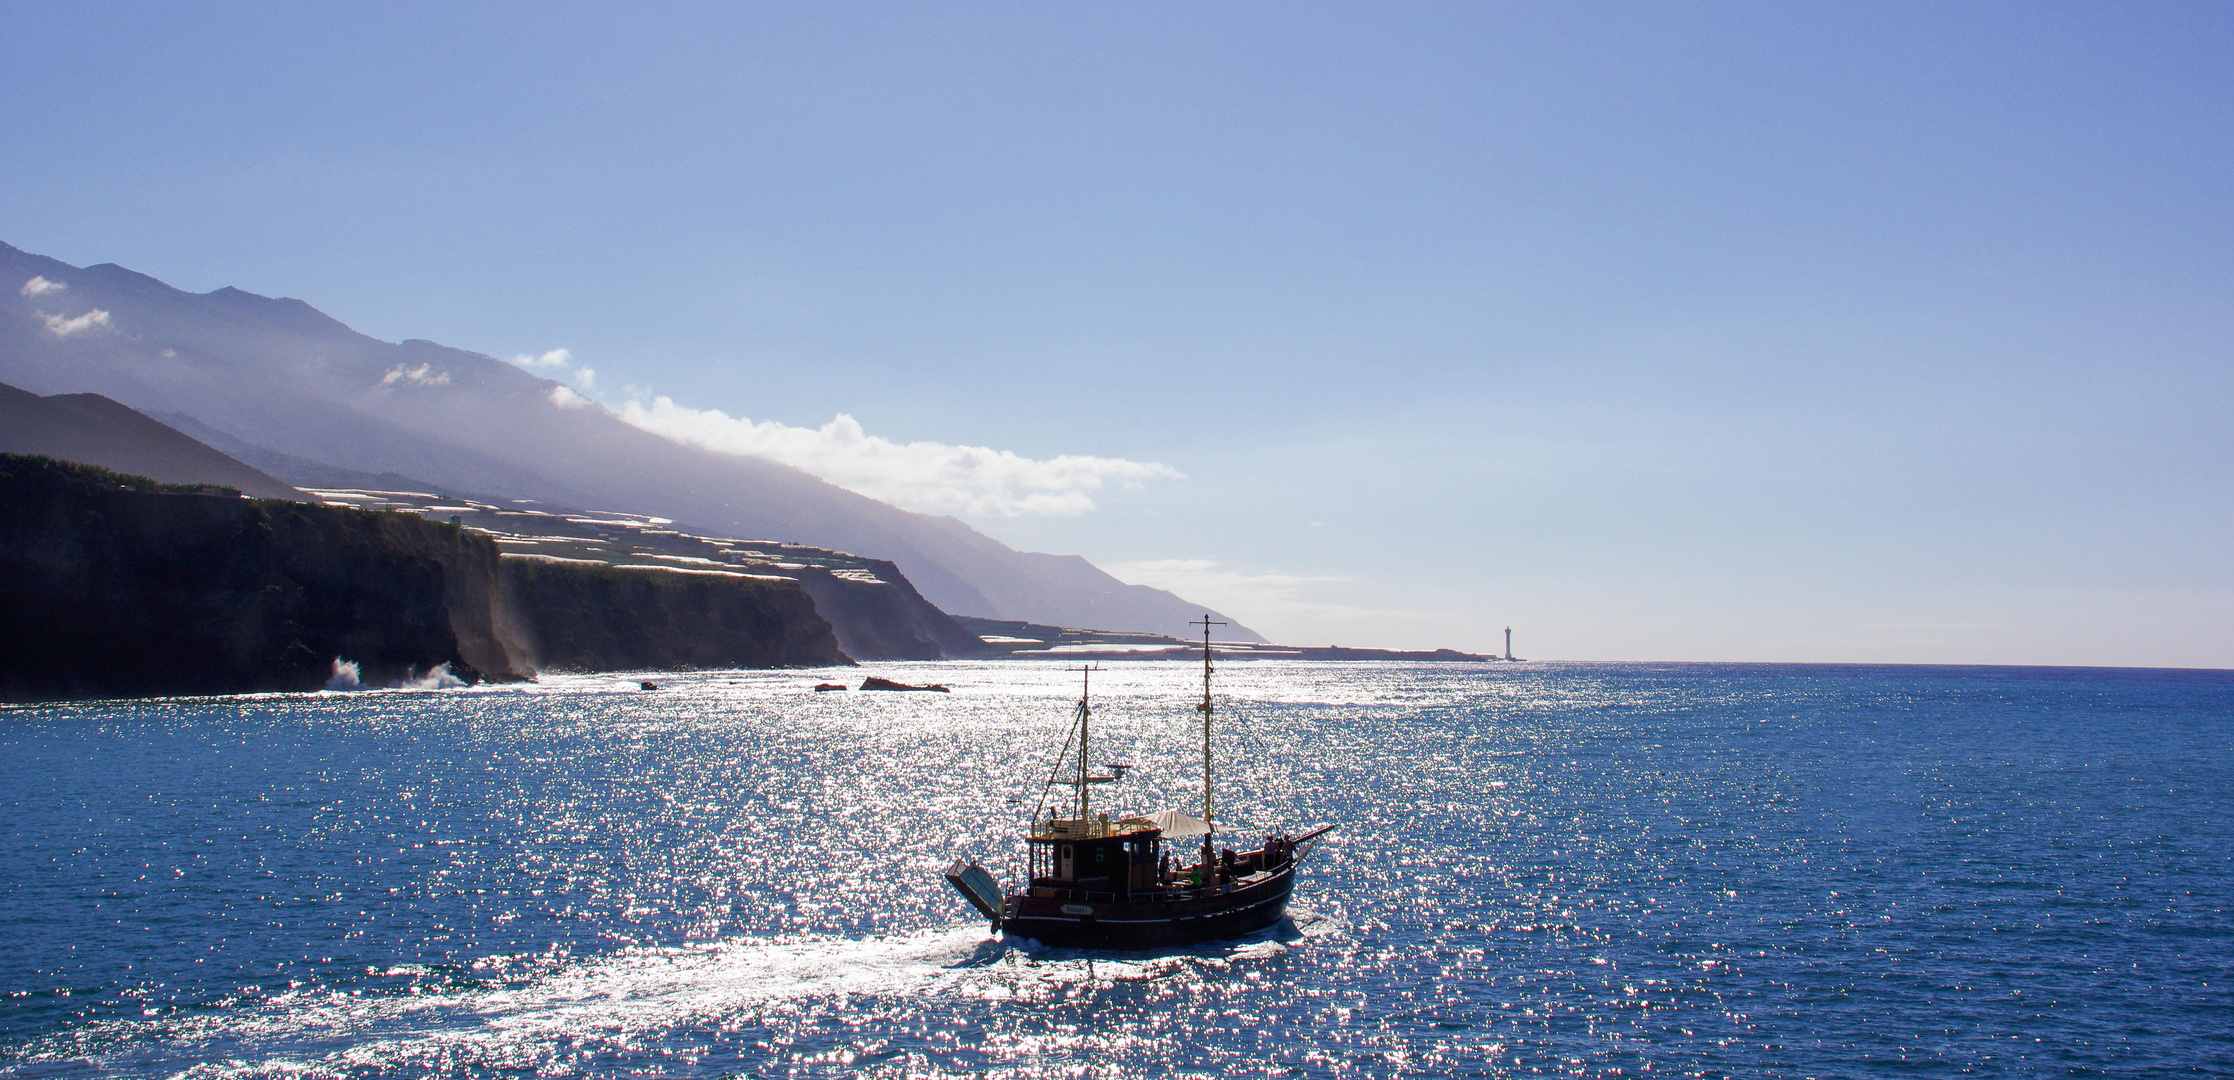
x=1508, y=643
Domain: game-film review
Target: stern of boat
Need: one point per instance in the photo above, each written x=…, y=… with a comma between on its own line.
x=977, y=886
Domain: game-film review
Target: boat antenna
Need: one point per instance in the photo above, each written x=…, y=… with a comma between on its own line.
x=1206, y=623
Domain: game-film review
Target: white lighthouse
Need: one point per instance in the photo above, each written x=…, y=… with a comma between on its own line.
x=1508, y=643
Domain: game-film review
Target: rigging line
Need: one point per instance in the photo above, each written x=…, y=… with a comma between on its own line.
x=1070, y=736
x=1048, y=785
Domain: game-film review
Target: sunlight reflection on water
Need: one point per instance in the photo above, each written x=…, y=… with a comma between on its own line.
x=1587, y=869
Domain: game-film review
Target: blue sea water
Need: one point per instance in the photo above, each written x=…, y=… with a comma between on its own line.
x=1571, y=869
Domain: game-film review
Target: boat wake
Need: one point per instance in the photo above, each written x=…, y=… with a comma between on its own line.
x=573, y=1012
x=613, y=1001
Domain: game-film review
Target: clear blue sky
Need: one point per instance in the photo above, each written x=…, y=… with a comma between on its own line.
x=1785, y=331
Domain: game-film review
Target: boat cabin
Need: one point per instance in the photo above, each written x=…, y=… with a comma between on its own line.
x=1094, y=858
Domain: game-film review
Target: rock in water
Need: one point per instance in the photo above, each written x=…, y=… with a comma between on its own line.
x=875, y=683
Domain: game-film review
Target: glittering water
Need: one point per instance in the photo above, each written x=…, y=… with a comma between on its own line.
x=1587, y=870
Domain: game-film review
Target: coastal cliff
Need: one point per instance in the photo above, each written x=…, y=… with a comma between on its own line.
x=605, y=618
x=872, y=608
x=119, y=586
x=114, y=585
x=878, y=615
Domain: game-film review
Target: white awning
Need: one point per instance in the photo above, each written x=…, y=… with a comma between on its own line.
x=1174, y=824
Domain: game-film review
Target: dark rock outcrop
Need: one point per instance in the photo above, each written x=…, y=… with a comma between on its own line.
x=879, y=682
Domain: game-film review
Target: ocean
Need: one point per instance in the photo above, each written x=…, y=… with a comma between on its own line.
x=1537, y=869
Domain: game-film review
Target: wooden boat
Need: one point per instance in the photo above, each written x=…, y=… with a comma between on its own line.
x=1097, y=883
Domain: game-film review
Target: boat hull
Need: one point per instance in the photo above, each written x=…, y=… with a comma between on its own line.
x=1206, y=915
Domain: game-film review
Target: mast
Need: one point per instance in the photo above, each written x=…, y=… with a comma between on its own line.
x=1085, y=714
x=1204, y=708
x=1081, y=729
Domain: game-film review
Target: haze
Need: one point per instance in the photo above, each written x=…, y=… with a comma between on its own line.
x=1879, y=333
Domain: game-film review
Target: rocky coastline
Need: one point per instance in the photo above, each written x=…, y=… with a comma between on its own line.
x=119, y=586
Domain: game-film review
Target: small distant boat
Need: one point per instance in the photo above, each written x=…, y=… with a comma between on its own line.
x=824, y=688
x=647, y=685
x=875, y=683
x=1097, y=883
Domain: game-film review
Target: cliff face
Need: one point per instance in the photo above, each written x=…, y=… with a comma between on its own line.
x=878, y=615
x=604, y=618
x=874, y=610
x=118, y=586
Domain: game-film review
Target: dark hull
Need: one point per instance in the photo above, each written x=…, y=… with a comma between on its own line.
x=1208, y=915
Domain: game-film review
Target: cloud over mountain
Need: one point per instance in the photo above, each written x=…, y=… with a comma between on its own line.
x=556, y=358
x=423, y=375
x=62, y=326
x=925, y=476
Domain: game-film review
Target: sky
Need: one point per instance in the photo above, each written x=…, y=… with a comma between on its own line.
x=1876, y=332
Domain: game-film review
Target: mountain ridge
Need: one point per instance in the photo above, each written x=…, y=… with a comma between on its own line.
x=96, y=430
x=277, y=374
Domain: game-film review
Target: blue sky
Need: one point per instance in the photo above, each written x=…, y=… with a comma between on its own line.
x=1781, y=332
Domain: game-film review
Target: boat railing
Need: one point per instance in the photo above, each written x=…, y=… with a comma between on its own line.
x=1098, y=827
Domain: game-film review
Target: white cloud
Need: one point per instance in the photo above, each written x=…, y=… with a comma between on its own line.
x=64, y=327
x=423, y=375
x=559, y=361
x=927, y=476
x=557, y=358
x=565, y=398
x=40, y=286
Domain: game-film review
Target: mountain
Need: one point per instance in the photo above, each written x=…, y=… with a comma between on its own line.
x=285, y=382
x=93, y=430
